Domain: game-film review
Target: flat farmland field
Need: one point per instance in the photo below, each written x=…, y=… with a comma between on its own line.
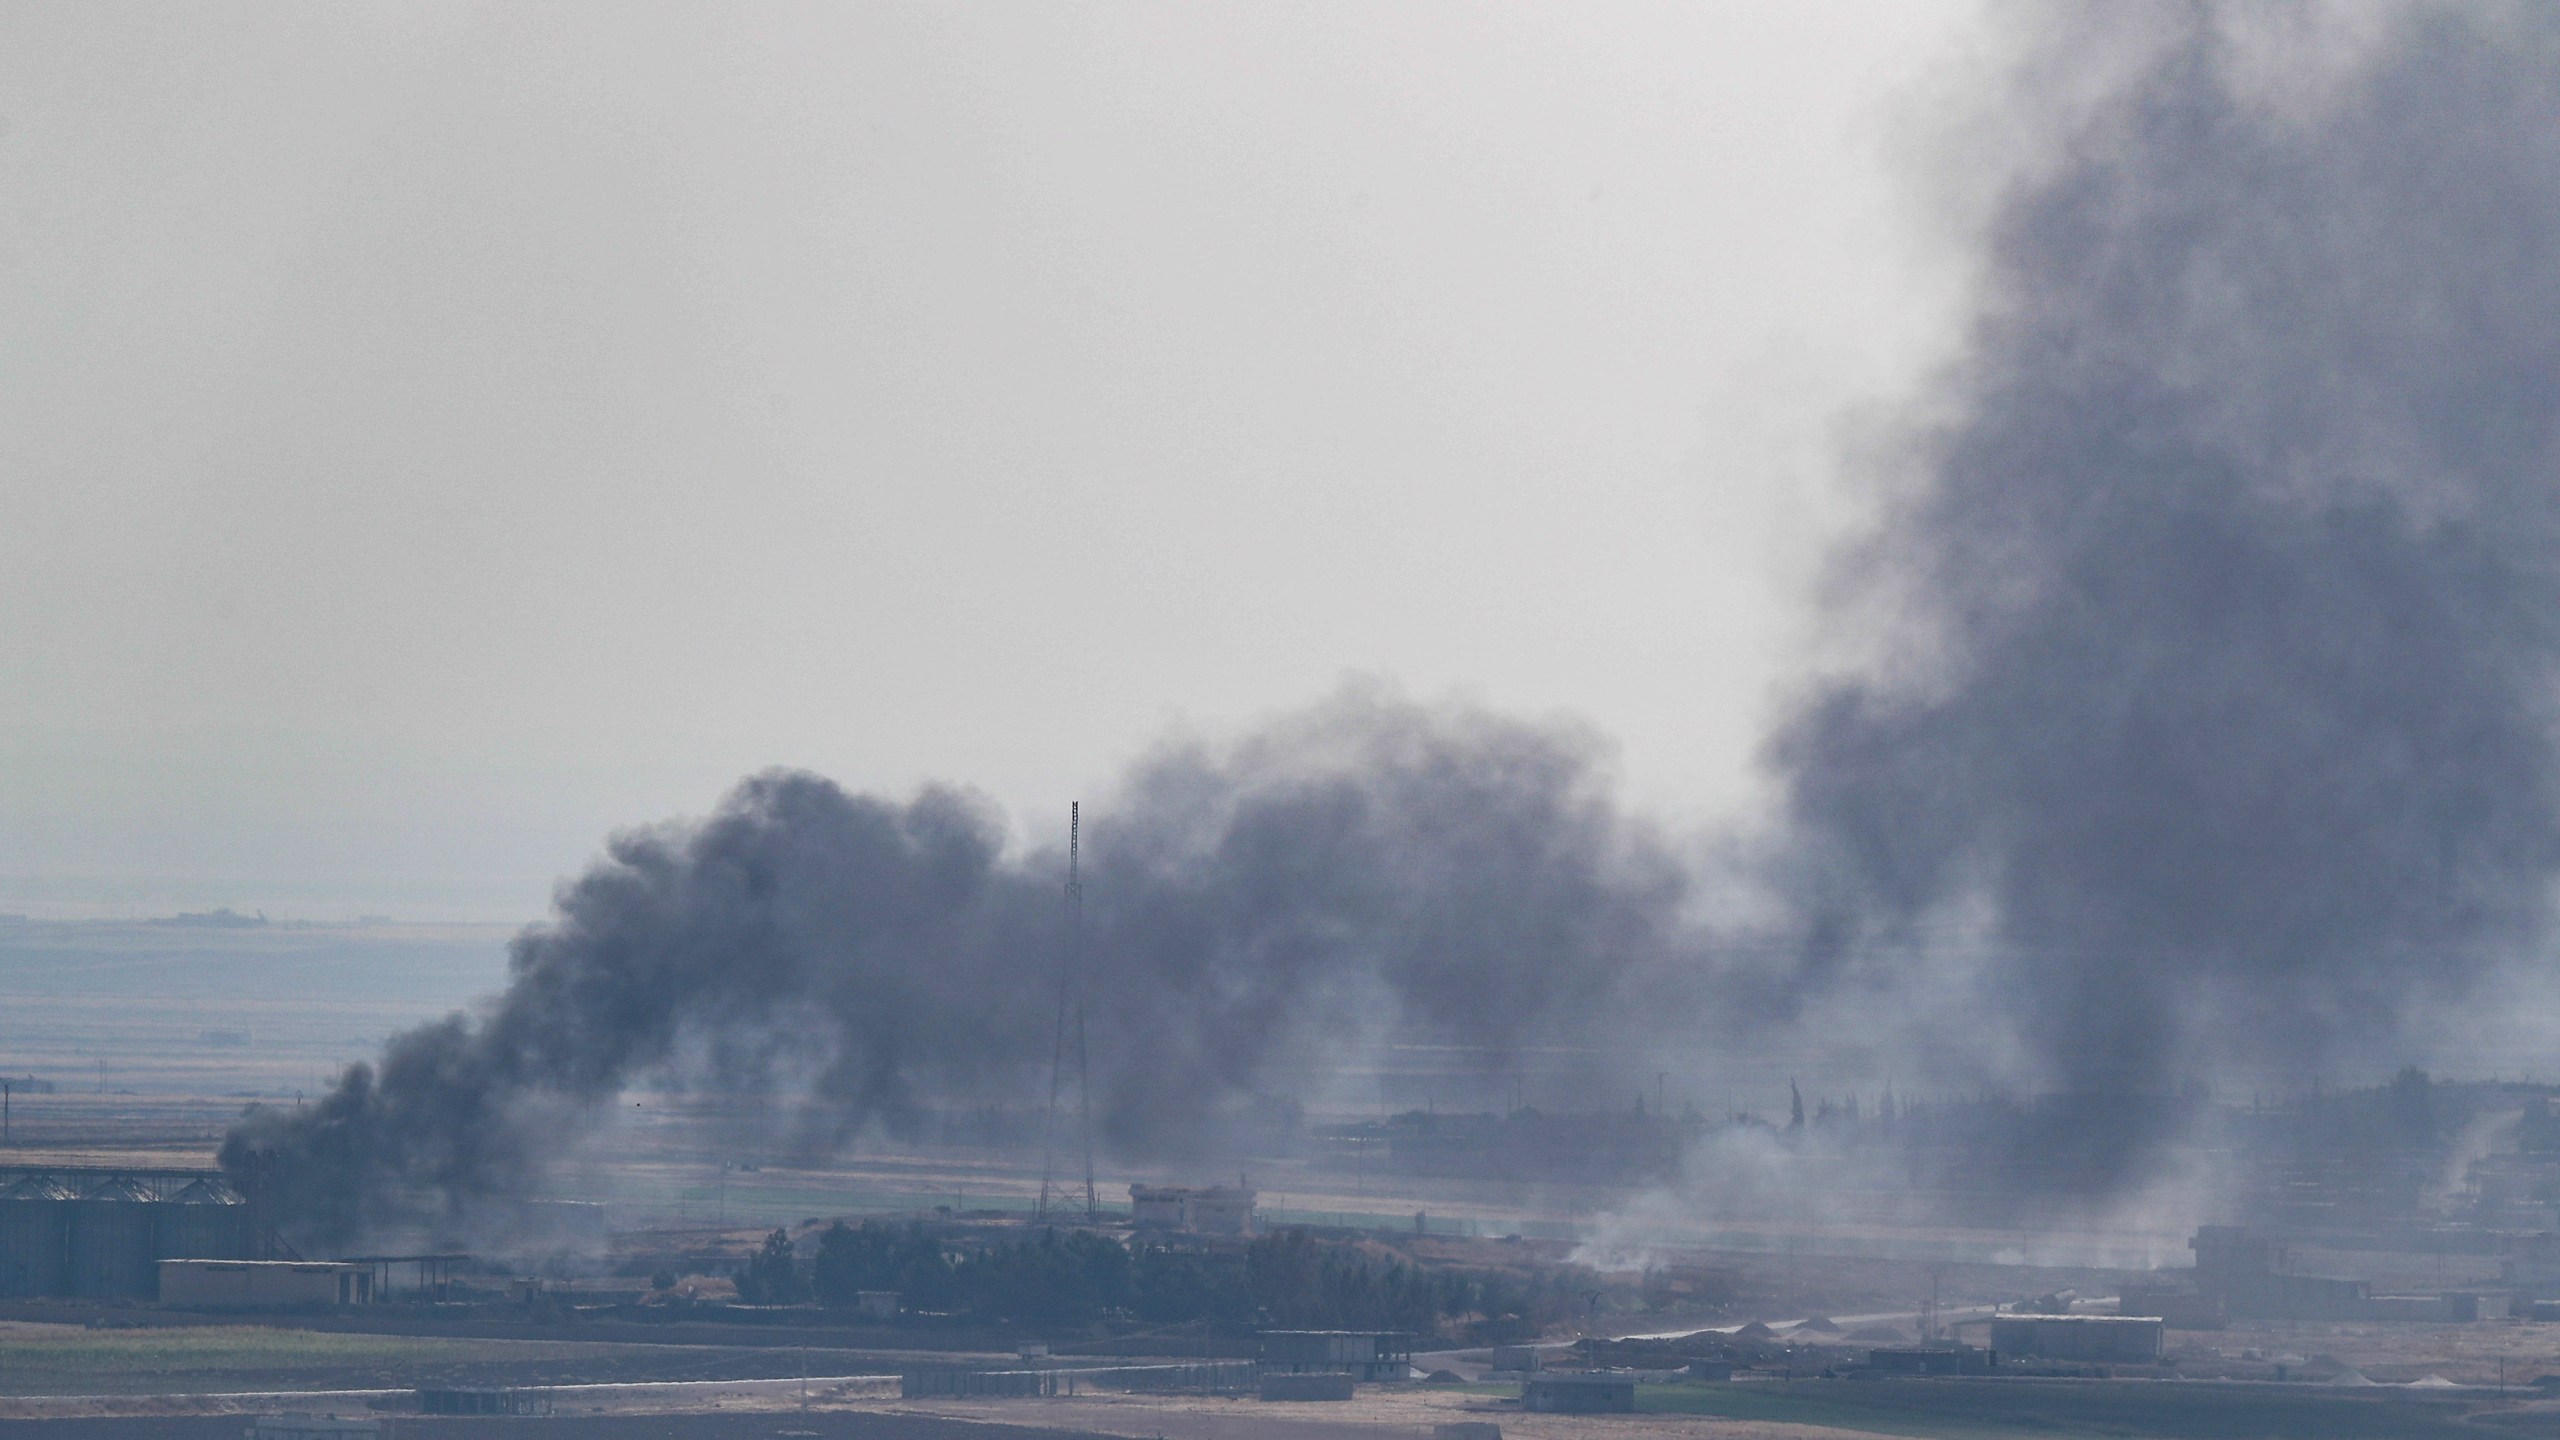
x=44, y=1359
x=137, y=1010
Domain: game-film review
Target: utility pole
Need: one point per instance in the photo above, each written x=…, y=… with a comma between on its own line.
x=1070, y=1002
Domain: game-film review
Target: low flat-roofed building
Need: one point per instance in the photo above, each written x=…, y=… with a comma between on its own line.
x=2123, y=1339
x=264, y=1284
x=1361, y=1354
x=1221, y=1210
x=1200, y=1210
x=1157, y=1207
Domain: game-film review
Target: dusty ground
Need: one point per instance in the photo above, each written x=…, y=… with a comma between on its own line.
x=1404, y=1414
x=1378, y=1413
x=2386, y=1354
x=838, y=1426
x=63, y=1360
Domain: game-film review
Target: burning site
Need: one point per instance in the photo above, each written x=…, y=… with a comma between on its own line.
x=2109, y=994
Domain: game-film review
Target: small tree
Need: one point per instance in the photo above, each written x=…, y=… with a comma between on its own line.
x=769, y=1277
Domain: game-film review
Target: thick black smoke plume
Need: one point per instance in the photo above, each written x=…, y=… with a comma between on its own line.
x=2220, y=734
x=2216, y=737
x=1443, y=872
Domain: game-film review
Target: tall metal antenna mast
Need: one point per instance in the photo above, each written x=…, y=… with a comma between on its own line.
x=1075, y=967
x=1070, y=999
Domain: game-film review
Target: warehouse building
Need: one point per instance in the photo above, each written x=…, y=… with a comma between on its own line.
x=1360, y=1354
x=2117, y=1339
x=264, y=1284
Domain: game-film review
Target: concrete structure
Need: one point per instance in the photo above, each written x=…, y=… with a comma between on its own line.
x=2177, y=1306
x=1467, y=1430
x=1206, y=1210
x=2454, y=1308
x=1157, y=1207
x=2243, y=1275
x=1519, y=1358
x=2479, y=1305
x=2119, y=1339
x=1361, y=1354
x=1579, y=1394
x=1332, y=1385
x=264, y=1284
x=2250, y=1274
x=876, y=1304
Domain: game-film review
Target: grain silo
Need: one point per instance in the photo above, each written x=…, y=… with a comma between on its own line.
x=205, y=1220
x=35, y=1236
x=111, y=1242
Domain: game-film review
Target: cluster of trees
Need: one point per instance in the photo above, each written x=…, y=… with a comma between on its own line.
x=772, y=1276
x=1290, y=1280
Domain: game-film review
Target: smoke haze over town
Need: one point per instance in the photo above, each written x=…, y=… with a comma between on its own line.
x=2210, y=743
x=1341, y=703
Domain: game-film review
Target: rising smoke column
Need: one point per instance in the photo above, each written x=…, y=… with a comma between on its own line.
x=2221, y=728
x=1249, y=906
x=2218, y=732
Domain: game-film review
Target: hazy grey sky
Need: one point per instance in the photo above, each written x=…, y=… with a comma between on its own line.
x=433, y=435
